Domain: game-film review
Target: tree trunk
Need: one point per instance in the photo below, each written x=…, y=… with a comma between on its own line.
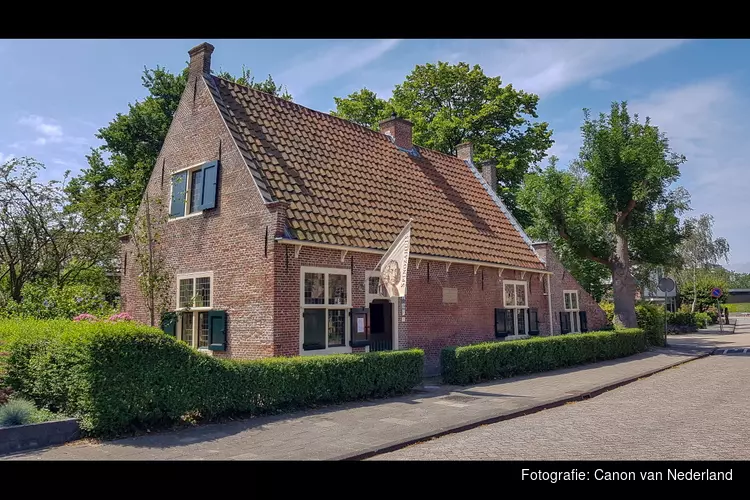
x=695, y=291
x=623, y=285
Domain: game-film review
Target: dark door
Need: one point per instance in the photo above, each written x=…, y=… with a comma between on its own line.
x=381, y=325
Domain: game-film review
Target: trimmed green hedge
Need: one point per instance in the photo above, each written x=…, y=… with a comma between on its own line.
x=493, y=360
x=116, y=377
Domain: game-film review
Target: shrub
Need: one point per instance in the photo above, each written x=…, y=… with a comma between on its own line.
x=702, y=319
x=17, y=411
x=492, y=360
x=651, y=320
x=123, y=316
x=47, y=301
x=680, y=318
x=119, y=376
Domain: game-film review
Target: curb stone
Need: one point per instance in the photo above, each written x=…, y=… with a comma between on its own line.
x=544, y=405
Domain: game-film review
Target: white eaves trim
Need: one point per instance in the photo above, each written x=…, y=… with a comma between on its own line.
x=493, y=194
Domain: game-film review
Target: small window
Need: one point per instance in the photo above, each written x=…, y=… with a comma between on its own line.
x=194, y=302
x=194, y=190
x=570, y=318
x=515, y=294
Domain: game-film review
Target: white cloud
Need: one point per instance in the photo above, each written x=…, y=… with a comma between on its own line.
x=311, y=70
x=48, y=132
x=547, y=66
x=600, y=84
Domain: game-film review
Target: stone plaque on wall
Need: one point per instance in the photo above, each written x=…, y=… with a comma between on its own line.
x=450, y=295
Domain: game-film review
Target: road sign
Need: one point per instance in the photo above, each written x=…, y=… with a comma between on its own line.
x=716, y=293
x=666, y=284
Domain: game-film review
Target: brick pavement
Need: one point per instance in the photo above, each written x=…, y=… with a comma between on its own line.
x=696, y=411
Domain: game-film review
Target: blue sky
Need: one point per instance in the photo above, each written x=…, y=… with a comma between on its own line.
x=55, y=94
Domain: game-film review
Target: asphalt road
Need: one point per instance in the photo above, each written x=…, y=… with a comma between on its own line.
x=697, y=411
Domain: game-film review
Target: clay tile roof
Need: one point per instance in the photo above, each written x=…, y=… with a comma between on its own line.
x=347, y=183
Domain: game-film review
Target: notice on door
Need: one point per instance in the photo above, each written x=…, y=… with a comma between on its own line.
x=360, y=325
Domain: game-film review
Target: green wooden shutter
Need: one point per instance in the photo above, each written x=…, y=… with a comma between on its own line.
x=501, y=325
x=584, y=325
x=169, y=324
x=217, y=330
x=208, y=194
x=179, y=188
x=564, y=322
x=533, y=322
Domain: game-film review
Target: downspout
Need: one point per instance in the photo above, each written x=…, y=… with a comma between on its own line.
x=549, y=305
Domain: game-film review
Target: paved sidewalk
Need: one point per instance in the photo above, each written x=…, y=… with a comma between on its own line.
x=358, y=429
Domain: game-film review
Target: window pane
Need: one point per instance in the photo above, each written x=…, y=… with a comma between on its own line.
x=567, y=301
x=196, y=187
x=187, y=328
x=574, y=300
x=521, y=315
x=186, y=292
x=203, y=329
x=337, y=289
x=203, y=292
x=314, y=288
x=336, y=327
x=520, y=295
x=374, y=285
x=510, y=295
x=314, y=329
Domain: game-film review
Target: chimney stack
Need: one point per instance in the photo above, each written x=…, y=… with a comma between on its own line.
x=489, y=172
x=399, y=129
x=465, y=151
x=200, y=59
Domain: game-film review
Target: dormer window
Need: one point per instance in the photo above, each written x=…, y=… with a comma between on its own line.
x=194, y=189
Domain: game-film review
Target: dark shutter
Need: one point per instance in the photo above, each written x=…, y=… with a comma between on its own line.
x=533, y=322
x=501, y=324
x=217, y=330
x=179, y=187
x=208, y=194
x=169, y=324
x=564, y=322
x=584, y=325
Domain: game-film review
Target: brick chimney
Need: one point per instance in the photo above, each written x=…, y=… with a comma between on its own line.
x=200, y=59
x=489, y=172
x=399, y=129
x=465, y=151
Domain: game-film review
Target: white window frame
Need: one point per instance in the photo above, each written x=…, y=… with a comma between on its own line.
x=369, y=297
x=193, y=310
x=574, y=318
x=516, y=307
x=346, y=348
x=188, y=186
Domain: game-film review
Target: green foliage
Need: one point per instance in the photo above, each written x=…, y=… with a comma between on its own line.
x=739, y=280
x=614, y=205
x=683, y=318
x=454, y=103
x=17, y=411
x=738, y=308
x=651, y=320
x=493, y=360
x=119, y=376
x=47, y=301
x=705, y=281
x=702, y=319
x=363, y=107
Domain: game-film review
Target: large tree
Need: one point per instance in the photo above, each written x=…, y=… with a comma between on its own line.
x=614, y=206
x=454, y=103
x=700, y=249
x=117, y=172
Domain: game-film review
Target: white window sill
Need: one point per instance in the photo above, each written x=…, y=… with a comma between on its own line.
x=330, y=350
x=194, y=214
x=517, y=337
x=206, y=351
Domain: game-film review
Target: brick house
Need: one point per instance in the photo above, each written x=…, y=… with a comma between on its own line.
x=278, y=215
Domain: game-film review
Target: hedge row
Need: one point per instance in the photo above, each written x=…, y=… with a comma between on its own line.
x=119, y=377
x=493, y=360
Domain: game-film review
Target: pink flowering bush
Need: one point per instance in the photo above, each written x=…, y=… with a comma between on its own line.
x=123, y=316
x=85, y=317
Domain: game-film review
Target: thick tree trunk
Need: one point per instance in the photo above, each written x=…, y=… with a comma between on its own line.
x=623, y=285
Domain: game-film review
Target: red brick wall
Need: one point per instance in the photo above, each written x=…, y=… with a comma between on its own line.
x=228, y=240
x=562, y=280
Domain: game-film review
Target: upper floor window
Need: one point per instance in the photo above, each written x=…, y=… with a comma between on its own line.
x=194, y=189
